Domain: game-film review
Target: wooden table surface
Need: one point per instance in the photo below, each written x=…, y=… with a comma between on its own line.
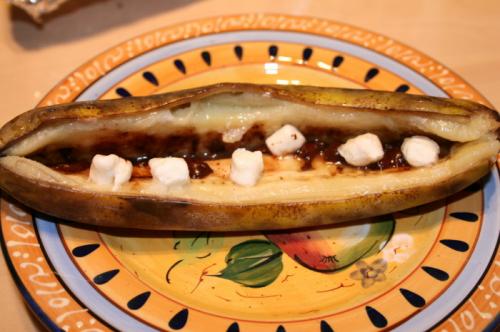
x=464, y=35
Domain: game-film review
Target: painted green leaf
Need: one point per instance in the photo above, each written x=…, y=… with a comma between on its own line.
x=253, y=263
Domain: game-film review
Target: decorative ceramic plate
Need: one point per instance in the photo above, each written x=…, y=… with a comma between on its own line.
x=432, y=267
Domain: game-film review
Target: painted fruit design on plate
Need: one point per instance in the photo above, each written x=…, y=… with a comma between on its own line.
x=333, y=248
x=257, y=262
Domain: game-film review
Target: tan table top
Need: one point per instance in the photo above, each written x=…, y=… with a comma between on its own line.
x=463, y=35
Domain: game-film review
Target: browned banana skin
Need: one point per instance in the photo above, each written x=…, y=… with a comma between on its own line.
x=362, y=100
x=133, y=211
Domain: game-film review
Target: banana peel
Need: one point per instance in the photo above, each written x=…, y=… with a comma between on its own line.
x=285, y=197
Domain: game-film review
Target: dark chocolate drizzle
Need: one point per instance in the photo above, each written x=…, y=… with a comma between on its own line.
x=197, y=149
x=198, y=169
x=393, y=158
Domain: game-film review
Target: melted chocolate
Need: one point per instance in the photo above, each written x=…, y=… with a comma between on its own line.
x=308, y=152
x=393, y=158
x=198, y=169
x=331, y=154
x=320, y=142
x=196, y=148
x=185, y=143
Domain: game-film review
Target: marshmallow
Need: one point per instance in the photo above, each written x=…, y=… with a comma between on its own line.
x=170, y=171
x=246, y=167
x=420, y=151
x=362, y=150
x=285, y=140
x=110, y=170
x=234, y=135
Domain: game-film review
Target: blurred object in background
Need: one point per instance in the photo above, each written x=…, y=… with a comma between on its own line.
x=37, y=8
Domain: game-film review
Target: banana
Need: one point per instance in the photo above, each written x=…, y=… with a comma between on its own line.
x=46, y=153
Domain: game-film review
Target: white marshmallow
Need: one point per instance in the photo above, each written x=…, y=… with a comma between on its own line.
x=170, y=171
x=110, y=170
x=420, y=151
x=234, y=135
x=246, y=167
x=285, y=140
x=362, y=150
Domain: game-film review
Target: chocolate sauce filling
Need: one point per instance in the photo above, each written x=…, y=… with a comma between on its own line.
x=198, y=169
x=196, y=149
x=393, y=158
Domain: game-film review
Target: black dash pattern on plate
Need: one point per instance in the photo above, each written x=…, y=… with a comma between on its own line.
x=179, y=320
x=337, y=61
x=82, y=251
x=436, y=273
x=138, y=301
x=180, y=66
x=122, y=92
x=377, y=319
x=238, y=50
x=456, y=245
x=207, y=58
x=371, y=74
x=413, y=298
x=104, y=277
x=233, y=327
x=306, y=54
x=280, y=329
x=402, y=88
x=151, y=78
x=325, y=327
x=465, y=216
x=273, y=51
